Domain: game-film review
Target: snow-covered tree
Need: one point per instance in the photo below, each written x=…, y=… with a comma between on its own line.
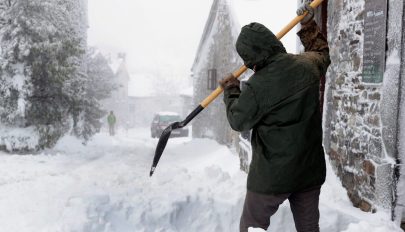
x=97, y=86
x=4, y=4
x=100, y=75
x=41, y=74
x=50, y=101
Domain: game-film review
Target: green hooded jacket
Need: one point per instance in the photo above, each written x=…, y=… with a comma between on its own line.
x=111, y=119
x=281, y=104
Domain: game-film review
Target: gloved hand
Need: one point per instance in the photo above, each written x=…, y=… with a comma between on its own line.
x=229, y=82
x=305, y=7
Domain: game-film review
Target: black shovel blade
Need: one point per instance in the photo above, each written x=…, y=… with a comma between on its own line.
x=162, y=145
x=166, y=134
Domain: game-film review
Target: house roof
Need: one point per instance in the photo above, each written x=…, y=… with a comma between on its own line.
x=243, y=12
x=207, y=29
x=122, y=71
x=115, y=64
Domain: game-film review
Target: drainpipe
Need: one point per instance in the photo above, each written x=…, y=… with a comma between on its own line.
x=398, y=164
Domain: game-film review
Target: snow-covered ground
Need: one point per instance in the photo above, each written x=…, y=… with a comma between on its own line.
x=105, y=186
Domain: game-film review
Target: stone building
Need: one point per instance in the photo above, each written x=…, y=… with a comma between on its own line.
x=215, y=58
x=364, y=106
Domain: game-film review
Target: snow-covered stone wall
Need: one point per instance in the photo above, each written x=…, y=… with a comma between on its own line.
x=361, y=119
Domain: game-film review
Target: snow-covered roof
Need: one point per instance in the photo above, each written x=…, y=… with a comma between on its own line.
x=168, y=113
x=243, y=12
x=122, y=72
x=140, y=85
x=115, y=65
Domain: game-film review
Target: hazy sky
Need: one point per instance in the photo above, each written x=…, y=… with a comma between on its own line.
x=164, y=35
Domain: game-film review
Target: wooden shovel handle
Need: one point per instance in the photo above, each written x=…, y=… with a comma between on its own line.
x=242, y=69
x=219, y=89
x=296, y=20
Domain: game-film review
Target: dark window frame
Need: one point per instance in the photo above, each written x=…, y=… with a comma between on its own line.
x=212, y=81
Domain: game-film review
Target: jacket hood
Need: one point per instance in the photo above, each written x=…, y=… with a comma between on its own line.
x=256, y=44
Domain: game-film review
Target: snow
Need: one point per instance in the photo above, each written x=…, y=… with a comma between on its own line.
x=206, y=41
x=19, y=78
x=266, y=12
x=18, y=138
x=105, y=186
x=255, y=230
x=389, y=102
x=401, y=151
x=141, y=85
x=115, y=64
x=188, y=92
x=168, y=113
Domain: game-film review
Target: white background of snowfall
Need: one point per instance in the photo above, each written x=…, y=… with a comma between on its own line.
x=161, y=37
x=105, y=187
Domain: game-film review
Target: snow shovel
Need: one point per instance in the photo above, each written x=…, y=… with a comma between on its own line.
x=177, y=125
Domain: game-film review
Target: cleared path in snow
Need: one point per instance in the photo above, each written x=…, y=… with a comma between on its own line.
x=105, y=186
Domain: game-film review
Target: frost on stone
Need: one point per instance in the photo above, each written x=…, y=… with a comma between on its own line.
x=360, y=122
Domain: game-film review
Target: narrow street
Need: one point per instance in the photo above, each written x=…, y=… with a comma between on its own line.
x=105, y=186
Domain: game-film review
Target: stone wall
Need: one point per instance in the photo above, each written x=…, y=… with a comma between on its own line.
x=360, y=123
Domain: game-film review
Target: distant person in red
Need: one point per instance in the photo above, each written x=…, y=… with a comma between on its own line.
x=111, y=123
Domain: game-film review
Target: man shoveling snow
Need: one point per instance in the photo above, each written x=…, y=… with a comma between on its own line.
x=281, y=105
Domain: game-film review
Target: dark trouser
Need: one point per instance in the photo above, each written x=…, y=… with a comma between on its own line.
x=111, y=129
x=258, y=209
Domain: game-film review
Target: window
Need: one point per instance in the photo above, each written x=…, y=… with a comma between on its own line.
x=212, y=79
